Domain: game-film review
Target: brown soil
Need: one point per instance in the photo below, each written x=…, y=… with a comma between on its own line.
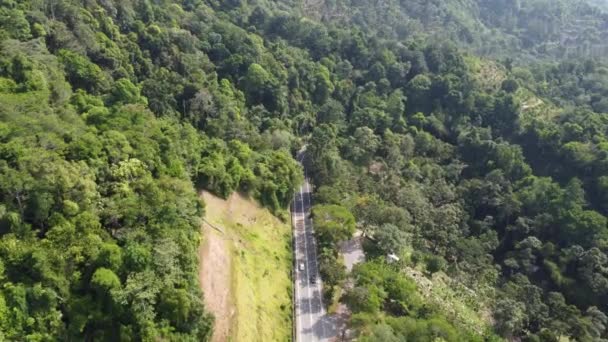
x=235, y=291
x=238, y=208
x=214, y=275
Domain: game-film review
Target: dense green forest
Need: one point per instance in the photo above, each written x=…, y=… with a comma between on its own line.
x=519, y=29
x=114, y=113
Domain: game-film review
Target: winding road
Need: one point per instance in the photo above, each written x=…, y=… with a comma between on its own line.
x=312, y=323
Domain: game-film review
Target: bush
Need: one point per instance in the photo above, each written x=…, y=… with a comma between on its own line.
x=435, y=264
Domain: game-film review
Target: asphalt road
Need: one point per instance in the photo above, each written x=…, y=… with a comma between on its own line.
x=311, y=320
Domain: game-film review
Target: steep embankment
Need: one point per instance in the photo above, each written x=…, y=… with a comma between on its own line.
x=245, y=270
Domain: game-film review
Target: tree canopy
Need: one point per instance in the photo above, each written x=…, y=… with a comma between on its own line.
x=468, y=137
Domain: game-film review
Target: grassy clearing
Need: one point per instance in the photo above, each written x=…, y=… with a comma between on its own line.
x=260, y=268
x=464, y=306
x=533, y=108
x=335, y=300
x=488, y=74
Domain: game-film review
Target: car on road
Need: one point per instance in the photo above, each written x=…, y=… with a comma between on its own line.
x=313, y=279
x=301, y=266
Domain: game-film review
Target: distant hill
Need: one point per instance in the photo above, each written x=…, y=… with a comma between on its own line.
x=526, y=29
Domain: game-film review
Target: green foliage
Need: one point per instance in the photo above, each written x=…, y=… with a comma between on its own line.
x=222, y=172
x=530, y=30
x=104, y=280
x=378, y=285
x=14, y=22
x=271, y=176
x=333, y=224
x=82, y=73
x=390, y=238
x=495, y=173
x=83, y=217
x=261, y=88
x=126, y=92
x=277, y=176
x=435, y=264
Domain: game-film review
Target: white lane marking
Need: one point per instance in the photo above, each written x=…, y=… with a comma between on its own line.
x=307, y=261
x=297, y=271
x=319, y=285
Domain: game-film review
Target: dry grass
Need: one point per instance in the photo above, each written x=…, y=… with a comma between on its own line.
x=260, y=266
x=488, y=74
x=215, y=279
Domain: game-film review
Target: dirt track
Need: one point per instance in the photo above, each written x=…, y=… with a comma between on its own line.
x=244, y=271
x=214, y=275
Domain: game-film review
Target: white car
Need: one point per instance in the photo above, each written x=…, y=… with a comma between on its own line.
x=301, y=266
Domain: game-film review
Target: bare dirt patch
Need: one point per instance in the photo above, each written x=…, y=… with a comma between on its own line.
x=245, y=270
x=214, y=275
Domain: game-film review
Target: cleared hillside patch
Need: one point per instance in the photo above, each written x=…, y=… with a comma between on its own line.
x=258, y=306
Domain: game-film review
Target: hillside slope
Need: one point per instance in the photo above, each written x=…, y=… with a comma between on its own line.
x=114, y=113
x=246, y=271
x=517, y=29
